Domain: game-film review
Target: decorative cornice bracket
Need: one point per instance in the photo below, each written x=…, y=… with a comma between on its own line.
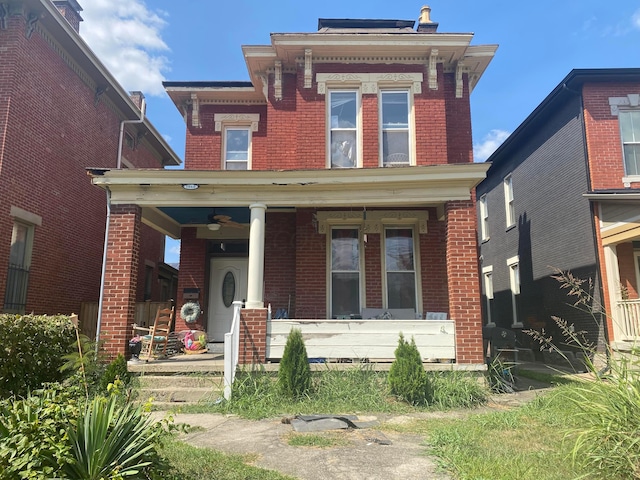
x=459, y=83
x=277, y=83
x=433, y=69
x=264, y=78
x=308, y=68
x=30, y=26
x=195, y=111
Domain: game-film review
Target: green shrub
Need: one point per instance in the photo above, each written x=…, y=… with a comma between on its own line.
x=407, y=377
x=116, y=370
x=113, y=441
x=456, y=390
x=294, y=375
x=32, y=351
x=33, y=434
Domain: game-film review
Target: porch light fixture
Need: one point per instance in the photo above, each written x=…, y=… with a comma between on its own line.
x=190, y=186
x=214, y=227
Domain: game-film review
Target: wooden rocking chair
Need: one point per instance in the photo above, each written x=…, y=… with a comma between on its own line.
x=154, y=344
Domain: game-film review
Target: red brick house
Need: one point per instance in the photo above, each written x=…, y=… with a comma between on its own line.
x=332, y=192
x=564, y=191
x=60, y=112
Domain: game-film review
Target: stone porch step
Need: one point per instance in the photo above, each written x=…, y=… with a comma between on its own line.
x=168, y=391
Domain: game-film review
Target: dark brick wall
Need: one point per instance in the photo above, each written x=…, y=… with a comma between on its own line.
x=554, y=225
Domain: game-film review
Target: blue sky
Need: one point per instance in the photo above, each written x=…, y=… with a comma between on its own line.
x=145, y=42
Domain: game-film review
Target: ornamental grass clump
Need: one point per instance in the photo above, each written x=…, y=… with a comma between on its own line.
x=294, y=375
x=407, y=378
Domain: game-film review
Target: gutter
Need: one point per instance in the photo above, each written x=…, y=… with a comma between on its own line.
x=104, y=268
x=143, y=108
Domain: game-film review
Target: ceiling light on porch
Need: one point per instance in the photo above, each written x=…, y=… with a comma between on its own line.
x=190, y=186
x=214, y=227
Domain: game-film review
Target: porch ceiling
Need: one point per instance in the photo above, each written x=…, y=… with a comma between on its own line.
x=160, y=192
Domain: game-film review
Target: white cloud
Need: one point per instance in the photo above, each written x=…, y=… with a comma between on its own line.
x=488, y=145
x=635, y=19
x=126, y=37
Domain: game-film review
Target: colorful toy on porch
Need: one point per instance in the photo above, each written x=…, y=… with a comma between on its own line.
x=194, y=341
x=190, y=312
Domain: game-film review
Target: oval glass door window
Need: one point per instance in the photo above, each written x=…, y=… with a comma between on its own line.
x=228, y=289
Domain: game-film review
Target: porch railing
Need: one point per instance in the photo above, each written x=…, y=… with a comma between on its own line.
x=629, y=319
x=231, y=350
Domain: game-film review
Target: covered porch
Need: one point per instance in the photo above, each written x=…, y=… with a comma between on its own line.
x=278, y=246
x=619, y=216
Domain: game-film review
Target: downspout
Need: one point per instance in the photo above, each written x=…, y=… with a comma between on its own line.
x=104, y=268
x=143, y=106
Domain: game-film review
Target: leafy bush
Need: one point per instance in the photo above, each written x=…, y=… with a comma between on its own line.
x=33, y=434
x=407, y=377
x=294, y=375
x=113, y=441
x=116, y=370
x=33, y=347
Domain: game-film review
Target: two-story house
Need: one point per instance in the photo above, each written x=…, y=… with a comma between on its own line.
x=333, y=191
x=562, y=192
x=61, y=111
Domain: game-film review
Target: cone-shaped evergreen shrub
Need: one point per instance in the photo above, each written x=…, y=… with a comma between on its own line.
x=294, y=375
x=407, y=377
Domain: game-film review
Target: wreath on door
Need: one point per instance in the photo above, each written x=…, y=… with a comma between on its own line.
x=190, y=312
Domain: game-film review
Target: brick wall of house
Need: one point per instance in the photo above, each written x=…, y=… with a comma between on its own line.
x=253, y=336
x=311, y=274
x=462, y=270
x=292, y=131
x=604, y=145
x=627, y=268
x=280, y=261
x=193, y=268
x=52, y=131
x=433, y=251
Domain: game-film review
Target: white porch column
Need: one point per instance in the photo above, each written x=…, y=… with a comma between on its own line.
x=255, y=282
x=613, y=284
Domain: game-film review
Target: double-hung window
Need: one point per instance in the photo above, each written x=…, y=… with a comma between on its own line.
x=237, y=148
x=15, y=298
x=484, y=218
x=630, y=133
x=395, y=120
x=345, y=274
x=508, y=201
x=400, y=268
x=513, y=264
x=344, y=107
x=487, y=277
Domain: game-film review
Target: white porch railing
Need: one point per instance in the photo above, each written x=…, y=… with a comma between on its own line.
x=364, y=339
x=231, y=350
x=629, y=319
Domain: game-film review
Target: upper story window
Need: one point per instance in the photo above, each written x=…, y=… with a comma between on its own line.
x=484, y=218
x=237, y=130
x=344, y=131
x=630, y=133
x=508, y=201
x=237, y=143
x=395, y=119
x=513, y=264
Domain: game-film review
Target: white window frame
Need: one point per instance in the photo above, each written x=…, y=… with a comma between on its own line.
x=484, y=218
x=634, y=176
x=513, y=264
x=358, y=127
x=330, y=271
x=410, y=129
x=236, y=121
x=487, y=281
x=416, y=267
x=510, y=212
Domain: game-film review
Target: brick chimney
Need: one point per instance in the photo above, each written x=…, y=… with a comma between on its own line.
x=70, y=9
x=425, y=25
x=137, y=98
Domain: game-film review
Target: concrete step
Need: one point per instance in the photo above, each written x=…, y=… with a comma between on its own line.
x=175, y=390
x=180, y=381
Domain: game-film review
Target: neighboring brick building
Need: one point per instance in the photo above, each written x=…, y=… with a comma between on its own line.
x=563, y=191
x=61, y=112
x=334, y=187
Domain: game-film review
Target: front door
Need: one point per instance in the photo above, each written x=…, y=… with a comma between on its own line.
x=228, y=284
